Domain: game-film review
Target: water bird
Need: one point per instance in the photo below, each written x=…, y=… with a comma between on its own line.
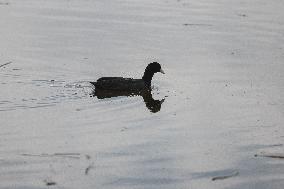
x=108, y=87
x=129, y=84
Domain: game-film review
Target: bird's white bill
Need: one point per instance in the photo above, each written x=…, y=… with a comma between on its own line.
x=162, y=71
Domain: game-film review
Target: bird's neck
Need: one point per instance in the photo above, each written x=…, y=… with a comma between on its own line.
x=147, y=78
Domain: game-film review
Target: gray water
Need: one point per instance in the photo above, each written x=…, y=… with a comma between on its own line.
x=223, y=94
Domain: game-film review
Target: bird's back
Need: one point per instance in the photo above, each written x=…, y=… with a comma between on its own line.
x=120, y=83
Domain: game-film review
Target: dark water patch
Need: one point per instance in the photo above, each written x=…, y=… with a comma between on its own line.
x=215, y=175
x=5, y=102
x=255, y=147
x=242, y=15
x=4, y=3
x=62, y=155
x=49, y=182
x=154, y=161
x=144, y=181
x=265, y=166
x=89, y=168
x=192, y=24
x=5, y=64
x=7, y=109
x=270, y=155
x=225, y=176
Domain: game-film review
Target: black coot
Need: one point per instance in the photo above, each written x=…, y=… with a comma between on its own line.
x=129, y=84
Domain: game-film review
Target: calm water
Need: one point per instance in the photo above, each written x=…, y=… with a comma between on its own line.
x=219, y=103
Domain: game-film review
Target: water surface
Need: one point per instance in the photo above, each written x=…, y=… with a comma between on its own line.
x=222, y=94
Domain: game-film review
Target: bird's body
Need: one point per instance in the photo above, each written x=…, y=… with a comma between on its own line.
x=119, y=84
x=129, y=84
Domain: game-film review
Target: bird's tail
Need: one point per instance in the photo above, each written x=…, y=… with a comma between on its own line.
x=93, y=83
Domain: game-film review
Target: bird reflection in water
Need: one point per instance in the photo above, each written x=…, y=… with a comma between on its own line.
x=152, y=104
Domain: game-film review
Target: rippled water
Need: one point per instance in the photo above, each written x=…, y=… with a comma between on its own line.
x=219, y=103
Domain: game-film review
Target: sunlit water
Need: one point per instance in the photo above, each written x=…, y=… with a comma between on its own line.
x=222, y=94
